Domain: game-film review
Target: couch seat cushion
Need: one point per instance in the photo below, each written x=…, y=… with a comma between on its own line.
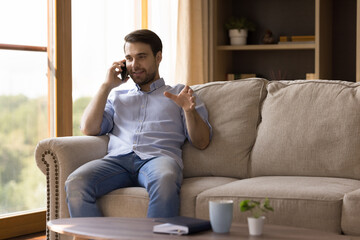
x=192, y=187
x=350, y=220
x=125, y=202
x=309, y=128
x=310, y=202
x=234, y=114
x=134, y=201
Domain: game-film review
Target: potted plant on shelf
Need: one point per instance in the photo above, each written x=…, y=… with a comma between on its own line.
x=257, y=209
x=238, y=29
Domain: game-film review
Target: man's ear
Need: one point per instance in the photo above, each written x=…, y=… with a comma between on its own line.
x=158, y=57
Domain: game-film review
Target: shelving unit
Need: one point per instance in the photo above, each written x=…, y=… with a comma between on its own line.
x=266, y=47
x=287, y=17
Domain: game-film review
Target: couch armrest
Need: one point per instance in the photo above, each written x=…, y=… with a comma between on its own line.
x=57, y=158
x=350, y=220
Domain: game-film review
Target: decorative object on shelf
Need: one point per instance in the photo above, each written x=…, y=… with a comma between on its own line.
x=297, y=39
x=279, y=75
x=235, y=76
x=257, y=209
x=268, y=37
x=238, y=29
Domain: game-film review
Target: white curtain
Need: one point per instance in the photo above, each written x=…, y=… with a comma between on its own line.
x=192, y=59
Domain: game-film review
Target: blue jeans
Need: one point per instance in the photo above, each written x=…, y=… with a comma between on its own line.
x=161, y=176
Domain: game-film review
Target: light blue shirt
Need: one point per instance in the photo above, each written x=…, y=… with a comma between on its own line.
x=147, y=123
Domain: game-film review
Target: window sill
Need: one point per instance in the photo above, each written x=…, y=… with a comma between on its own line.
x=22, y=223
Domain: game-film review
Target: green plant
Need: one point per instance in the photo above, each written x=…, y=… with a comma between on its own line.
x=257, y=208
x=239, y=23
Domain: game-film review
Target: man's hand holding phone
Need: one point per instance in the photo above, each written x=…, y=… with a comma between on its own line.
x=113, y=75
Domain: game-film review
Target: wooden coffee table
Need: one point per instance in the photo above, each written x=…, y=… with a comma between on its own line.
x=141, y=229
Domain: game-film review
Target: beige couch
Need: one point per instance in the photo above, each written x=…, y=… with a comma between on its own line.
x=295, y=142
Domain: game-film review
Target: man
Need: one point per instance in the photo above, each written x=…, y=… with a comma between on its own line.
x=147, y=127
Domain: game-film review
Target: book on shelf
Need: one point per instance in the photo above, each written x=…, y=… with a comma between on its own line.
x=310, y=76
x=181, y=225
x=234, y=76
x=296, y=39
x=300, y=42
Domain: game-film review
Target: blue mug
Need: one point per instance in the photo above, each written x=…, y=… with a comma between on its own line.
x=221, y=214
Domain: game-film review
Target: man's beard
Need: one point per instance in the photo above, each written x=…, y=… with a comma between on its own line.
x=148, y=78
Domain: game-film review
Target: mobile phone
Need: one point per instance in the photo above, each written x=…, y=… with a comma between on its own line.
x=124, y=72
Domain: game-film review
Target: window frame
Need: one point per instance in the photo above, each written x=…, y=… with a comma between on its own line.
x=31, y=221
x=60, y=103
x=59, y=52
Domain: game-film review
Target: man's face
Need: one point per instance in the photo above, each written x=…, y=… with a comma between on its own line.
x=141, y=63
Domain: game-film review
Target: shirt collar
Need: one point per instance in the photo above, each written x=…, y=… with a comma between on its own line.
x=155, y=85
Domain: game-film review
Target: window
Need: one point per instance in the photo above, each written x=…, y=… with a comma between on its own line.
x=162, y=15
x=23, y=105
x=98, y=41
x=97, y=32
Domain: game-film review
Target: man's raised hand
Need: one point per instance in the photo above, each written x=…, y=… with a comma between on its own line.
x=184, y=99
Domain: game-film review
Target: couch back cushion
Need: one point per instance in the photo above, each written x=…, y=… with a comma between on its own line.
x=309, y=128
x=234, y=114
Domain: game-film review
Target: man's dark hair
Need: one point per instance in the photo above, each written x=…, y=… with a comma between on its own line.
x=145, y=36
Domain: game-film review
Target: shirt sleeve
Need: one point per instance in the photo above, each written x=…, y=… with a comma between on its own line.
x=107, y=122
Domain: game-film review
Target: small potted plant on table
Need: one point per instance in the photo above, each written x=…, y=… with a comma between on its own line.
x=257, y=209
x=238, y=29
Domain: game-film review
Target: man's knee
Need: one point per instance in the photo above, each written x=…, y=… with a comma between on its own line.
x=161, y=177
x=76, y=186
x=166, y=185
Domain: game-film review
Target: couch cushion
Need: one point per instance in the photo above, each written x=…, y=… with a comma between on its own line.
x=350, y=220
x=309, y=128
x=310, y=202
x=192, y=187
x=134, y=201
x=233, y=108
x=125, y=202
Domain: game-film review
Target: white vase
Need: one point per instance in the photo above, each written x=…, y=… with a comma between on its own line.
x=256, y=225
x=238, y=37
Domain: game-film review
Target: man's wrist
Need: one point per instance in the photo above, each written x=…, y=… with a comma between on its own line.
x=106, y=87
x=190, y=111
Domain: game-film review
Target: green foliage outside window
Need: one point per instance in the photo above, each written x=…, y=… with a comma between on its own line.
x=78, y=109
x=23, y=123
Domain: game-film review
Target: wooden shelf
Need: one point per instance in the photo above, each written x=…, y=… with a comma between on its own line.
x=279, y=16
x=334, y=23
x=296, y=46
